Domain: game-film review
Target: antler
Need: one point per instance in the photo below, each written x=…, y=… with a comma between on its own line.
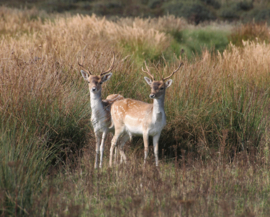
x=84, y=68
x=164, y=79
x=111, y=67
x=148, y=71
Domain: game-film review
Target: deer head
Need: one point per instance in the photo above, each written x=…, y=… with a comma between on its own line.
x=95, y=81
x=158, y=87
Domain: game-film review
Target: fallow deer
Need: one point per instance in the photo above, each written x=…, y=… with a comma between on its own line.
x=133, y=117
x=100, y=117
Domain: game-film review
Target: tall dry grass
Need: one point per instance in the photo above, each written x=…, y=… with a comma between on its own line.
x=250, y=31
x=214, y=149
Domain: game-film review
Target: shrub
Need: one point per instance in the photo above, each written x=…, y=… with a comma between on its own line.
x=245, y=5
x=215, y=4
x=107, y=8
x=229, y=13
x=261, y=15
x=194, y=12
x=154, y=4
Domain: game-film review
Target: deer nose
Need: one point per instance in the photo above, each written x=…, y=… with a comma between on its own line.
x=152, y=96
x=94, y=89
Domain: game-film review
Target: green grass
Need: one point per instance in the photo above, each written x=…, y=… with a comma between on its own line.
x=141, y=51
x=192, y=41
x=24, y=164
x=34, y=137
x=195, y=41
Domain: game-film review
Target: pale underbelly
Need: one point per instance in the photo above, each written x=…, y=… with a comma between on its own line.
x=152, y=131
x=134, y=130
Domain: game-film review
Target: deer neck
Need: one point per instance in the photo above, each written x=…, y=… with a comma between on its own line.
x=96, y=103
x=158, y=109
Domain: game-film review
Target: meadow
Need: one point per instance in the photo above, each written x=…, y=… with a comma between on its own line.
x=214, y=150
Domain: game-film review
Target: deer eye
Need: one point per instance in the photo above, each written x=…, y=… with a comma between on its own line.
x=162, y=88
x=100, y=82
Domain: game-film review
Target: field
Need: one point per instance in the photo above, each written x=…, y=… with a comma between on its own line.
x=214, y=150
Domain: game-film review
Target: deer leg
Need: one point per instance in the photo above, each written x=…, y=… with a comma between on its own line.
x=97, y=148
x=146, y=146
x=155, y=143
x=124, y=139
x=115, y=154
x=104, y=134
x=113, y=144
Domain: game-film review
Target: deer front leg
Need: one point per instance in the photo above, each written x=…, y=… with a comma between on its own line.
x=104, y=134
x=97, y=135
x=155, y=143
x=146, y=145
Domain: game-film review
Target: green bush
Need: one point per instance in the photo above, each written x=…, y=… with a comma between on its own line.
x=261, y=15
x=154, y=4
x=230, y=13
x=215, y=4
x=245, y=6
x=194, y=12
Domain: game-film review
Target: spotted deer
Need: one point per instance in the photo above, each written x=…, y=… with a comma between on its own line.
x=100, y=117
x=132, y=117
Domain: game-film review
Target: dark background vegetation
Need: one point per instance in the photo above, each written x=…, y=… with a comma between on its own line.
x=194, y=11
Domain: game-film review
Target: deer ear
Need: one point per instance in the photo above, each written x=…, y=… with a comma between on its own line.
x=85, y=75
x=168, y=83
x=148, y=80
x=106, y=77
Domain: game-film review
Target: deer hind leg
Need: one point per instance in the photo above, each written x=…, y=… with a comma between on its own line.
x=104, y=134
x=123, y=141
x=115, y=154
x=155, y=143
x=113, y=144
x=97, y=135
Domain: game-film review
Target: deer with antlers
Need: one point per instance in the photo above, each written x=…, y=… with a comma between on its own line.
x=100, y=117
x=133, y=117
